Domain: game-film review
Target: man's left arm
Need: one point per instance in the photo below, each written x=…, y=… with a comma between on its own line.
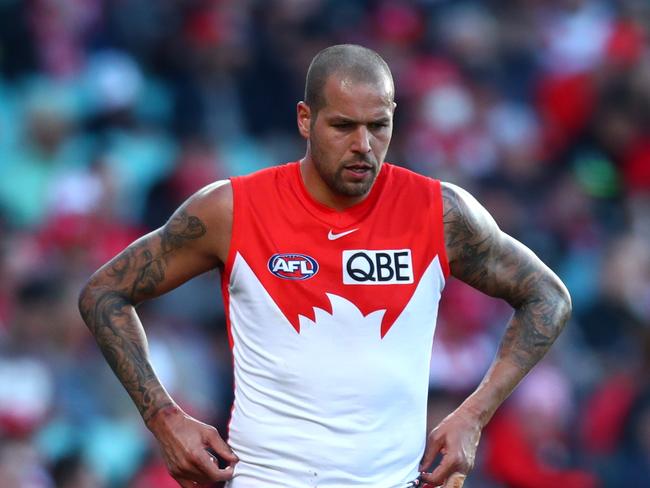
x=486, y=258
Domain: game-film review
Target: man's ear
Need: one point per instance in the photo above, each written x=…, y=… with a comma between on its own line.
x=303, y=113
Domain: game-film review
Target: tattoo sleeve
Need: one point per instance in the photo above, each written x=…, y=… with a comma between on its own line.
x=107, y=305
x=498, y=265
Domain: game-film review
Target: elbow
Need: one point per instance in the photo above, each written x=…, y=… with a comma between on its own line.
x=566, y=305
x=85, y=301
x=551, y=302
x=561, y=299
x=98, y=297
x=89, y=295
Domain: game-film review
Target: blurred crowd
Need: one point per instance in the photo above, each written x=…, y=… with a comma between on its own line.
x=113, y=112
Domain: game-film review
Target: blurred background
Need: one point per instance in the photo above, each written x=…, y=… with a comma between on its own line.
x=113, y=112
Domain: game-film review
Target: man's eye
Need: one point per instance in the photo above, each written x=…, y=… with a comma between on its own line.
x=378, y=125
x=344, y=125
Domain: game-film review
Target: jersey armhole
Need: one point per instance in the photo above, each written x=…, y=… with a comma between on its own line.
x=439, y=228
x=234, y=231
x=226, y=275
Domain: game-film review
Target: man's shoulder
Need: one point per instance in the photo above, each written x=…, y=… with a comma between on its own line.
x=410, y=183
x=451, y=193
x=218, y=192
x=458, y=200
x=282, y=170
x=453, y=196
x=213, y=202
x=466, y=221
x=395, y=171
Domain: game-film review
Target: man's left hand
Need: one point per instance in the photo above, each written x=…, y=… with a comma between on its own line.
x=456, y=438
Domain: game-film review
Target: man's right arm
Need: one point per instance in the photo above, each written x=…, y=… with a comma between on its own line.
x=194, y=240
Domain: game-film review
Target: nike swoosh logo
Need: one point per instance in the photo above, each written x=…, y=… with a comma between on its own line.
x=332, y=236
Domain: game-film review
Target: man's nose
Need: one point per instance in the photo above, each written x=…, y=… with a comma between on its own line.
x=361, y=142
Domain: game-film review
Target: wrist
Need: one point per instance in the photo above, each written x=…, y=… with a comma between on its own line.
x=162, y=417
x=481, y=410
x=496, y=386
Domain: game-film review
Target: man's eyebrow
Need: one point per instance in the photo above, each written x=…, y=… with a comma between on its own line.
x=341, y=118
x=337, y=119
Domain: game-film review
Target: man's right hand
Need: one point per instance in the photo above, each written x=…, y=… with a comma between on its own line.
x=184, y=442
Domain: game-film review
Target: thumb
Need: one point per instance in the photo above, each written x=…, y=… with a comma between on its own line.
x=438, y=476
x=456, y=480
x=219, y=447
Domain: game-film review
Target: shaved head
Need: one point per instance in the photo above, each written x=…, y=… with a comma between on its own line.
x=356, y=63
x=347, y=119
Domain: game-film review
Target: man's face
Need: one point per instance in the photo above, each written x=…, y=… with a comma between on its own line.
x=349, y=136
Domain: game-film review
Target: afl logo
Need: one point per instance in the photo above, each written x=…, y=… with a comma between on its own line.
x=293, y=266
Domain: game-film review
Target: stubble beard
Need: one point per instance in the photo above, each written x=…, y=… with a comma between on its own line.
x=336, y=181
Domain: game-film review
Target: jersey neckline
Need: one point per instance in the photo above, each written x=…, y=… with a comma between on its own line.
x=338, y=219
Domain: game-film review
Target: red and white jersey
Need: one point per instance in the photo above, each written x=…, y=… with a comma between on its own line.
x=331, y=317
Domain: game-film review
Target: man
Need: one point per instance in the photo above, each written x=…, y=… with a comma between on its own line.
x=332, y=269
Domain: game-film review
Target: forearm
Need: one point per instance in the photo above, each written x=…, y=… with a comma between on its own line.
x=530, y=333
x=116, y=327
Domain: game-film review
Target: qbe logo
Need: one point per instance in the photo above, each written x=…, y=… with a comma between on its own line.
x=293, y=266
x=385, y=267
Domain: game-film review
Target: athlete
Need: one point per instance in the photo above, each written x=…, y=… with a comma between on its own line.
x=332, y=268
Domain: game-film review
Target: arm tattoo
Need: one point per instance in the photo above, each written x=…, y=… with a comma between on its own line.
x=119, y=334
x=143, y=264
x=179, y=229
x=107, y=306
x=494, y=263
x=465, y=237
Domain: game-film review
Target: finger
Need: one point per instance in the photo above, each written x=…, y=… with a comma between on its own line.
x=186, y=483
x=456, y=480
x=438, y=476
x=210, y=469
x=219, y=446
x=430, y=452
